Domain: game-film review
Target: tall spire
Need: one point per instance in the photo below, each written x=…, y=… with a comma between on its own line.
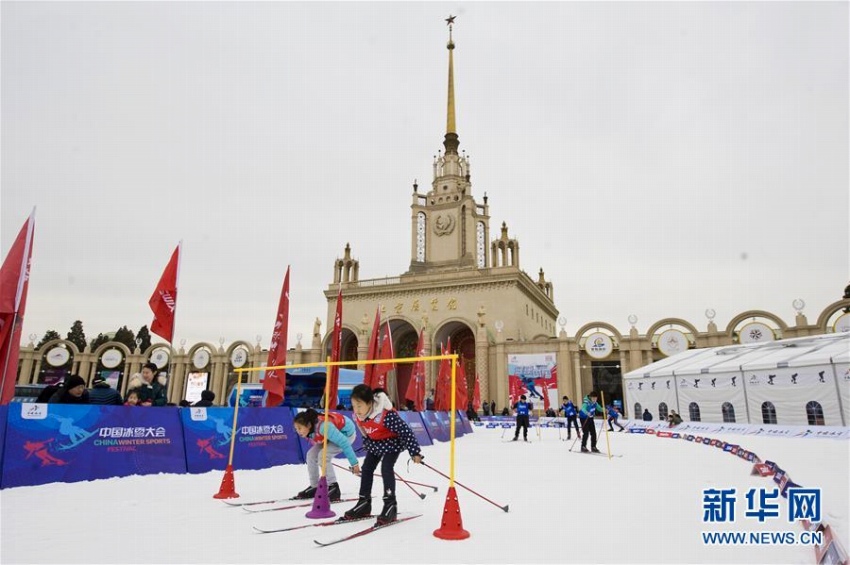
x=451, y=142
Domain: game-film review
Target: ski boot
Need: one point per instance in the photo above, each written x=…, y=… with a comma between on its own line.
x=306, y=494
x=584, y=449
x=594, y=450
x=334, y=493
x=390, y=511
x=515, y=438
x=362, y=509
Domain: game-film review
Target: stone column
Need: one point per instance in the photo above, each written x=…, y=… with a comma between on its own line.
x=482, y=348
x=565, y=372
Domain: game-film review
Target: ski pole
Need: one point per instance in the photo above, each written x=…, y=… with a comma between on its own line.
x=416, y=492
x=399, y=478
x=505, y=507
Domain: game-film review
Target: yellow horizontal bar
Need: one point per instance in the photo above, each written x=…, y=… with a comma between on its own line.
x=453, y=356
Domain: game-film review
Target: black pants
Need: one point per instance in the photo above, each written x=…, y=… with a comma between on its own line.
x=614, y=421
x=521, y=422
x=588, y=427
x=367, y=473
x=572, y=420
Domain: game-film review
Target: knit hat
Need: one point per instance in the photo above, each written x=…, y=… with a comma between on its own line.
x=74, y=381
x=208, y=395
x=97, y=380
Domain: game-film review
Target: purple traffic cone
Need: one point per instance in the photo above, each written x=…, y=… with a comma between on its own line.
x=321, y=501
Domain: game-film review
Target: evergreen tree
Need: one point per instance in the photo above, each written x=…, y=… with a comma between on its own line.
x=125, y=336
x=98, y=341
x=49, y=335
x=145, y=336
x=77, y=336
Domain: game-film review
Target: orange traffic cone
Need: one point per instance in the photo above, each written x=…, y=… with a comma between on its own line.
x=452, y=526
x=228, y=485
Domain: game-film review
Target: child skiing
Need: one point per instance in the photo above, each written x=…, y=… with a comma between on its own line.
x=311, y=425
x=523, y=409
x=570, y=412
x=588, y=425
x=385, y=436
x=613, y=414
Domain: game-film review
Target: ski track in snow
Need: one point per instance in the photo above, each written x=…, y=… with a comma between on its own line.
x=643, y=507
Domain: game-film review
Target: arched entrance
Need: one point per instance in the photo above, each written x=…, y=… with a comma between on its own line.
x=405, y=340
x=463, y=343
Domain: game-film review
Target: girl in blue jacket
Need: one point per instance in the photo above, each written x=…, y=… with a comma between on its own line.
x=341, y=433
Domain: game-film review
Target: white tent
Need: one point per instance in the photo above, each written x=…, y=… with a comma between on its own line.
x=795, y=381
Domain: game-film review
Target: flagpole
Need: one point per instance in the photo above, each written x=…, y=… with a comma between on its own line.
x=22, y=278
x=174, y=322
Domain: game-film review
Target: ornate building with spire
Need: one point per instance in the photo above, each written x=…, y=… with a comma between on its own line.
x=461, y=283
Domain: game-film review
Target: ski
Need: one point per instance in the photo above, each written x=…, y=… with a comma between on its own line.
x=257, y=502
x=368, y=530
x=314, y=525
x=291, y=506
x=597, y=454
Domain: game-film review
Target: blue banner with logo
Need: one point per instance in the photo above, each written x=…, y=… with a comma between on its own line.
x=435, y=426
x=417, y=425
x=264, y=438
x=446, y=420
x=48, y=443
x=307, y=444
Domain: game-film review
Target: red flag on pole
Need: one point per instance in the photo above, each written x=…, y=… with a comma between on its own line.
x=336, y=342
x=163, y=301
x=275, y=380
x=462, y=392
x=14, y=284
x=416, y=385
x=476, y=395
x=443, y=399
x=379, y=377
x=369, y=370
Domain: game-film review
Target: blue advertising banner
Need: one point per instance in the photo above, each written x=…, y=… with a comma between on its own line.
x=48, y=443
x=464, y=422
x=264, y=438
x=436, y=428
x=414, y=420
x=445, y=420
x=3, y=411
x=307, y=444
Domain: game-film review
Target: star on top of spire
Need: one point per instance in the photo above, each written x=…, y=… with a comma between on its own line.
x=450, y=20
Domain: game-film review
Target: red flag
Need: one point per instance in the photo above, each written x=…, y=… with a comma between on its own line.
x=275, y=380
x=476, y=395
x=14, y=284
x=336, y=342
x=369, y=370
x=163, y=301
x=416, y=385
x=442, y=400
x=379, y=377
x=461, y=387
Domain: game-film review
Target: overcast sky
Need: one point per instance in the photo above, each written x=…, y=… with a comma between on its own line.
x=654, y=159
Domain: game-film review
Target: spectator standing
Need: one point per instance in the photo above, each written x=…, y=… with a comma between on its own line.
x=150, y=386
x=102, y=393
x=73, y=391
x=207, y=397
x=647, y=415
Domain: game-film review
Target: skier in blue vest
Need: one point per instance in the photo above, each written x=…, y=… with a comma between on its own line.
x=569, y=410
x=588, y=410
x=523, y=409
x=613, y=415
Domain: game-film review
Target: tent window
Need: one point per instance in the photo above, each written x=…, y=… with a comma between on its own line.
x=814, y=413
x=638, y=411
x=728, y=412
x=693, y=412
x=662, y=411
x=768, y=413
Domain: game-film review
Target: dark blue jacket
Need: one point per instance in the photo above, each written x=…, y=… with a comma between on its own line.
x=522, y=408
x=102, y=393
x=569, y=409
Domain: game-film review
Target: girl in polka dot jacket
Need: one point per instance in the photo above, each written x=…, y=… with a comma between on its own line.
x=385, y=436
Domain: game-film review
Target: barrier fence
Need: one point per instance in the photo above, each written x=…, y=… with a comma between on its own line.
x=47, y=443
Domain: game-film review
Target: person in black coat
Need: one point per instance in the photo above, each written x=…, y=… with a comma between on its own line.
x=102, y=393
x=72, y=392
x=206, y=400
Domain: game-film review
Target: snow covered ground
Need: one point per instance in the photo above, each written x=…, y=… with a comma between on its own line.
x=643, y=507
